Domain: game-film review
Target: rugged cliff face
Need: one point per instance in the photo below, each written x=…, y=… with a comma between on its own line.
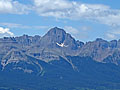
x=57, y=43
x=59, y=56
x=54, y=44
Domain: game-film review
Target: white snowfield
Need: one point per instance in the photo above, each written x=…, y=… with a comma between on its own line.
x=62, y=45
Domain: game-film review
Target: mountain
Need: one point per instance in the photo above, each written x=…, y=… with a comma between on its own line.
x=15, y=60
x=56, y=61
x=58, y=38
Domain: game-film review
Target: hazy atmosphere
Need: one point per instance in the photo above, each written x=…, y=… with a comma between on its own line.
x=59, y=45
x=84, y=19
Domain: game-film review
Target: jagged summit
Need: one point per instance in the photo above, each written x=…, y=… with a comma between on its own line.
x=56, y=31
x=56, y=57
x=55, y=35
x=99, y=39
x=58, y=37
x=56, y=42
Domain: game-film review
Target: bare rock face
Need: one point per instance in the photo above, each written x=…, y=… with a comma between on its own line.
x=113, y=58
x=16, y=60
x=57, y=61
x=101, y=50
x=56, y=42
x=17, y=52
x=57, y=37
x=98, y=49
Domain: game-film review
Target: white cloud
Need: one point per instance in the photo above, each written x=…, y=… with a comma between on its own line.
x=64, y=9
x=113, y=34
x=85, y=28
x=20, y=26
x=4, y=32
x=55, y=8
x=11, y=25
x=76, y=10
x=71, y=30
x=78, y=34
x=13, y=7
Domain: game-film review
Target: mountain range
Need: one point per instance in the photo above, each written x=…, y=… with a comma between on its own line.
x=56, y=61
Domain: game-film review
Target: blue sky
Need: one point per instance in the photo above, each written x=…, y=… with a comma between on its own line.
x=83, y=19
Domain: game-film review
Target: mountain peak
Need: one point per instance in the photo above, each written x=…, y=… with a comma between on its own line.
x=57, y=37
x=56, y=31
x=56, y=28
x=99, y=39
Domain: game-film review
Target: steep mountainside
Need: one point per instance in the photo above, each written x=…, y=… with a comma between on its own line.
x=56, y=42
x=58, y=57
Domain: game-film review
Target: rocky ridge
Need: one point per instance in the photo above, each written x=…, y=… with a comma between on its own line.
x=54, y=45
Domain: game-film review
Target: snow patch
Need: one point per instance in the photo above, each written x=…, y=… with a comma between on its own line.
x=61, y=45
